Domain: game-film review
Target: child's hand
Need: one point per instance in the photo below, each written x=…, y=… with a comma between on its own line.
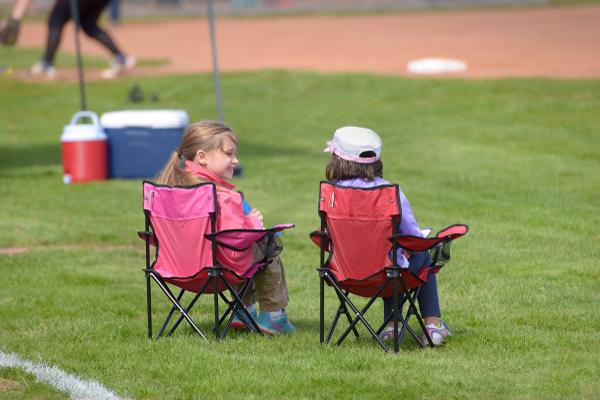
x=256, y=214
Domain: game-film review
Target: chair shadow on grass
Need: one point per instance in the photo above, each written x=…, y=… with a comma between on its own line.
x=365, y=340
x=304, y=327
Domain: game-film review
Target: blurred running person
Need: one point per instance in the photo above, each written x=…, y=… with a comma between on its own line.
x=89, y=13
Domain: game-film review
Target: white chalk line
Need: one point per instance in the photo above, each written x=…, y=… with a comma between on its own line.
x=78, y=389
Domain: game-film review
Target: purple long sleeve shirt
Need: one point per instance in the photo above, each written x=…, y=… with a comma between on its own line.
x=408, y=224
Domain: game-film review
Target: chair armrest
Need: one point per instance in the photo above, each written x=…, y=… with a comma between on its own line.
x=416, y=243
x=243, y=239
x=149, y=237
x=440, y=255
x=319, y=237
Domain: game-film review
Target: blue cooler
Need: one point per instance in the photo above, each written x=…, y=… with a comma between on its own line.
x=140, y=142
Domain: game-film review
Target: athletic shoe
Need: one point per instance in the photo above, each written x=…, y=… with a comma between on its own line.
x=42, y=68
x=9, y=32
x=275, y=326
x=119, y=66
x=237, y=323
x=437, y=332
x=388, y=332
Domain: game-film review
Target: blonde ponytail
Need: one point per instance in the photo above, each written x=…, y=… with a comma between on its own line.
x=174, y=173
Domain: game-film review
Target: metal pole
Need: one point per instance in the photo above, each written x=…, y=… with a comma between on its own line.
x=215, y=61
x=75, y=15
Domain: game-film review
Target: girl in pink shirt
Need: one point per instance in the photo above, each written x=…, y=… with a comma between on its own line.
x=208, y=153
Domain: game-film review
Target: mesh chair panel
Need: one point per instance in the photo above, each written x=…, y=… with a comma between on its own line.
x=359, y=221
x=179, y=204
x=377, y=203
x=360, y=248
x=180, y=217
x=183, y=250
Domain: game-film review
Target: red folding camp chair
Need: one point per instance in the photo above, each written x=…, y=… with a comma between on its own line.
x=359, y=242
x=180, y=225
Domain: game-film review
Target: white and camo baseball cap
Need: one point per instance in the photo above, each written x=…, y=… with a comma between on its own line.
x=352, y=143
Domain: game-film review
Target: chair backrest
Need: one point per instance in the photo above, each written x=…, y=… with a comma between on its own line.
x=180, y=217
x=359, y=222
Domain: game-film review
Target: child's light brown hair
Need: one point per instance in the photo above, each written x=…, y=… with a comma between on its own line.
x=203, y=135
x=338, y=169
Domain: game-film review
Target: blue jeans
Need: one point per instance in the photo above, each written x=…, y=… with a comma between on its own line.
x=428, y=294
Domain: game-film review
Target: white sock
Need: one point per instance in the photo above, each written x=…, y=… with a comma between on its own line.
x=276, y=314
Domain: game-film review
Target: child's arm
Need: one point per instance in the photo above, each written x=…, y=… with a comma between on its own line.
x=408, y=224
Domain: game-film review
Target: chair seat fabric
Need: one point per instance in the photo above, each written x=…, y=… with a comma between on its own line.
x=368, y=287
x=196, y=283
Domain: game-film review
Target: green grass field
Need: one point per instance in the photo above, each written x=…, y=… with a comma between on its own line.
x=517, y=159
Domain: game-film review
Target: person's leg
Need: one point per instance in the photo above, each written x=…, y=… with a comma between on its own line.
x=428, y=296
x=271, y=287
x=270, y=291
x=89, y=12
x=273, y=298
x=58, y=17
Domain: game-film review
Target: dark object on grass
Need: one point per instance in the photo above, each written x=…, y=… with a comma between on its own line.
x=237, y=170
x=155, y=98
x=9, y=32
x=135, y=94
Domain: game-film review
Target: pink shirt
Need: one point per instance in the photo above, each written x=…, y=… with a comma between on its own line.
x=230, y=215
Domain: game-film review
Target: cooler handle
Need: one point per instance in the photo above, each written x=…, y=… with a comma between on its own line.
x=81, y=114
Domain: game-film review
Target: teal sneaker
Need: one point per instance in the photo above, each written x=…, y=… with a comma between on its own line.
x=237, y=323
x=275, y=326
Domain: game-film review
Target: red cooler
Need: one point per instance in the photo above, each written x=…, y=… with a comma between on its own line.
x=84, y=150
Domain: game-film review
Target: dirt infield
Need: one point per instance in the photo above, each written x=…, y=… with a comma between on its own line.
x=561, y=42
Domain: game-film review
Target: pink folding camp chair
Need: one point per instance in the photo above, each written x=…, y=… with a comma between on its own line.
x=358, y=240
x=180, y=225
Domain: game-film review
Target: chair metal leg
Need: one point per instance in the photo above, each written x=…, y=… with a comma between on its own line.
x=413, y=306
x=237, y=299
x=402, y=318
x=149, y=304
x=321, y=308
x=189, y=307
x=360, y=316
x=216, y=305
x=408, y=314
x=342, y=309
x=334, y=323
x=396, y=312
x=348, y=317
x=183, y=312
x=169, y=315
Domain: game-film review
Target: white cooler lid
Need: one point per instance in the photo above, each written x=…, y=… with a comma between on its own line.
x=145, y=118
x=75, y=132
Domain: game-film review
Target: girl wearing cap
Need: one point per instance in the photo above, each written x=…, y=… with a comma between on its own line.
x=355, y=162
